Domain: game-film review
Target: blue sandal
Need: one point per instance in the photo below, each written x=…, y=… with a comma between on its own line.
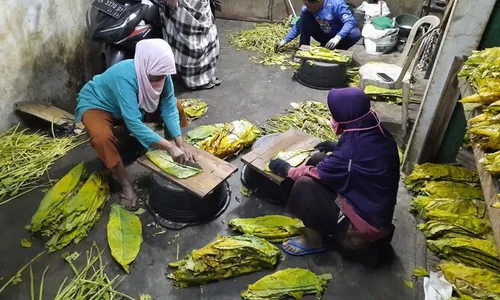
x=305, y=251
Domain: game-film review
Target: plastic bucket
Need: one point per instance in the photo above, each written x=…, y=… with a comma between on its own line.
x=381, y=45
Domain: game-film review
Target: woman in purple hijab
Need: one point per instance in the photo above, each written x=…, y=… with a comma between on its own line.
x=359, y=178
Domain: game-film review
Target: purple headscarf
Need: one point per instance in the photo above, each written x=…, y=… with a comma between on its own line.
x=364, y=168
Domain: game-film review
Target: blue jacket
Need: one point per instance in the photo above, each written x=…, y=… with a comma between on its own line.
x=334, y=18
x=116, y=91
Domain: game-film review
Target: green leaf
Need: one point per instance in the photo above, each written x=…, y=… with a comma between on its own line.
x=165, y=162
x=477, y=283
x=202, y=132
x=293, y=157
x=140, y=211
x=25, y=243
x=245, y=191
x=194, y=108
x=289, y=283
x=420, y=272
x=145, y=297
x=80, y=213
x=225, y=258
x=496, y=205
x=124, y=236
x=408, y=283
x=47, y=211
x=273, y=228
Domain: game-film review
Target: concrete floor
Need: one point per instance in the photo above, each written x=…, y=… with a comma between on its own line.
x=248, y=91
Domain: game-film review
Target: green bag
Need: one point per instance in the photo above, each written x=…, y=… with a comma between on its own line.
x=381, y=23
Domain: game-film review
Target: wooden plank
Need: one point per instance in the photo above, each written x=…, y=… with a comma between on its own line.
x=490, y=190
x=343, y=52
x=293, y=139
x=444, y=110
x=489, y=184
x=215, y=172
x=48, y=113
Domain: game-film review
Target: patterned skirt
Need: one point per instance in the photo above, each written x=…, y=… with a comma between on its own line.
x=192, y=34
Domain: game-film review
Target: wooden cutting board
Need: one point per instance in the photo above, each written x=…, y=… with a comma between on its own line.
x=306, y=48
x=215, y=172
x=48, y=113
x=293, y=139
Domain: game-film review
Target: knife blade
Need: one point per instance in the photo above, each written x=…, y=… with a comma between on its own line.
x=193, y=165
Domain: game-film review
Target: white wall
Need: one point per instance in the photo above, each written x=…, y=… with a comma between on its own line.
x=42, y=46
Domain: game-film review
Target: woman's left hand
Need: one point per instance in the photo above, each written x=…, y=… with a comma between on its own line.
x=279, y=167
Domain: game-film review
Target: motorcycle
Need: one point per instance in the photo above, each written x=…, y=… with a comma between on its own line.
x=120, y=24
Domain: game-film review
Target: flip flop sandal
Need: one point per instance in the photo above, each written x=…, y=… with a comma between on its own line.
x=133, y=208
x=216, y=81
x=305, y=251
x=207, y=86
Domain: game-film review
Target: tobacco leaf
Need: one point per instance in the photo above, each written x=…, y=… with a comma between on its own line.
x=333, y=56
x=80, y=213
x=201, y=133
x=165, y=162
x=473, y=282
x=464, y=207
x=408, y=283
x=124, y=232
x=470, y=251
x=225, y=258
x=47, y=211
x=289, y=283
x=25, y=243
x=420, y=272
x=194, y=108
x=273, y=228
x=224, y=140
x=384, y=95
x=429, y=171
x=449, y=189
x=293, y=157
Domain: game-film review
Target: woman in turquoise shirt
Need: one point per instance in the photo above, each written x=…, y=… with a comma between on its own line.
x=127, y=91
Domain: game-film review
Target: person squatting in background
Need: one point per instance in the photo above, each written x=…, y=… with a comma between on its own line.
x=330, y=22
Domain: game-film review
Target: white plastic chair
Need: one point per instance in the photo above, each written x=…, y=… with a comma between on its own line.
x=368, y=72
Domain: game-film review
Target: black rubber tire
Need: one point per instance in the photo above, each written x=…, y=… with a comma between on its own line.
x=321, y=75
x=173, y=203
x=262, y=186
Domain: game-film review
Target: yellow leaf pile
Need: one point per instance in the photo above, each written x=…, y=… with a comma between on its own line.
x=457, y=227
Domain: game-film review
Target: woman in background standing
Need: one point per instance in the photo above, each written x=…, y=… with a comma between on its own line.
x=192, y=34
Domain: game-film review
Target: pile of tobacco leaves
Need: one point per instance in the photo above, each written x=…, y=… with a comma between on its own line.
x=482, y=71
x=225, y=258
x=455, y=221
x=194, y=108
x=384, y=95
x=310, y=116
x=273, y=228
x=324, y=54
x=291, y=283
x=262, y=39
x=223, y=140
x=70, y=208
